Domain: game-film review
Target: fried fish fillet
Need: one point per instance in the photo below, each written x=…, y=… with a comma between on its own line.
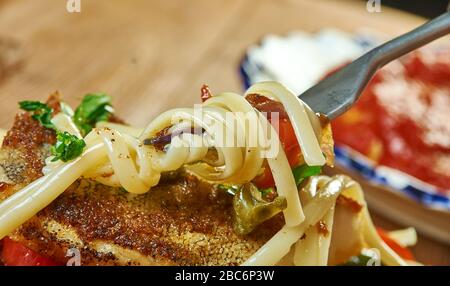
x=182, y=221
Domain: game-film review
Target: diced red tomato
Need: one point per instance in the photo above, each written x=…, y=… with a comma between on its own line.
x=290, y=147
x=285, y=132
x=16, y=254
x=289, y=142
x=403, y=252
x=265, y=180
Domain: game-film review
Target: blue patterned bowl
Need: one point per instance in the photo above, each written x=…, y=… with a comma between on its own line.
x=280, y=58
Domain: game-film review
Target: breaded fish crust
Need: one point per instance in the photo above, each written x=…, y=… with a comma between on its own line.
x=182, y=221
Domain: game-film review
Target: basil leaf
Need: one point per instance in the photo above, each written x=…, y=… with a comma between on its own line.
x=40, y=112
x=304, y=171
x=67, y=147
x=95, y=107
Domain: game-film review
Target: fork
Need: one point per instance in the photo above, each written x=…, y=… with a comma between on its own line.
x=338, y=92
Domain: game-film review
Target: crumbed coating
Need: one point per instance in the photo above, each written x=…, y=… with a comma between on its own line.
x=182, y=221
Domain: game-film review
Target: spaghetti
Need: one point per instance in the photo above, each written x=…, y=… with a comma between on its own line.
x=116, y=156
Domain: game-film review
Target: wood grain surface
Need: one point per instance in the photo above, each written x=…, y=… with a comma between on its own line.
x=154, y=55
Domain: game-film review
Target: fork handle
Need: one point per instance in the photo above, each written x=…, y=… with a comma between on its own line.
x=432, y=30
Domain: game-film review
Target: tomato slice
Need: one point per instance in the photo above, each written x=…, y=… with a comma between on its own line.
x=403, y=252
x=285, y=132
x=290, y=146
x=289, y=142
x=16, y=254
x=265, y=180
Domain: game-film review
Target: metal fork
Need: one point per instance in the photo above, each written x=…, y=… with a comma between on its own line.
x=337, y=93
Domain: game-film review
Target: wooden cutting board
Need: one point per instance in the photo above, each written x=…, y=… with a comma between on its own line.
x=154, y=55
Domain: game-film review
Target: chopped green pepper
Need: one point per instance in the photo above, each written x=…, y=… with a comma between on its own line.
x=304, y=171
x=251, y=209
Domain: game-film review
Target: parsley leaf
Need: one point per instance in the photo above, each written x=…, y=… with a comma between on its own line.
x=230, y=189
x=40, y=112
x=266, y=192
x=360, y=260
x=304, y=171
x=29, y=105
x=95, y=107
x=67, y=147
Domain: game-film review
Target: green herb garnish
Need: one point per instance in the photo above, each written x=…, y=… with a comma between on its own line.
x=304, y=171
x=40, y=112
x=364, y=259
x=230, y=189
x=266, y=192
x=94, y=108
x=360, y=260
x=67, y=147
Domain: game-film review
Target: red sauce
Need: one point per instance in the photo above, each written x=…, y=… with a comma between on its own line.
x=400, y=119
